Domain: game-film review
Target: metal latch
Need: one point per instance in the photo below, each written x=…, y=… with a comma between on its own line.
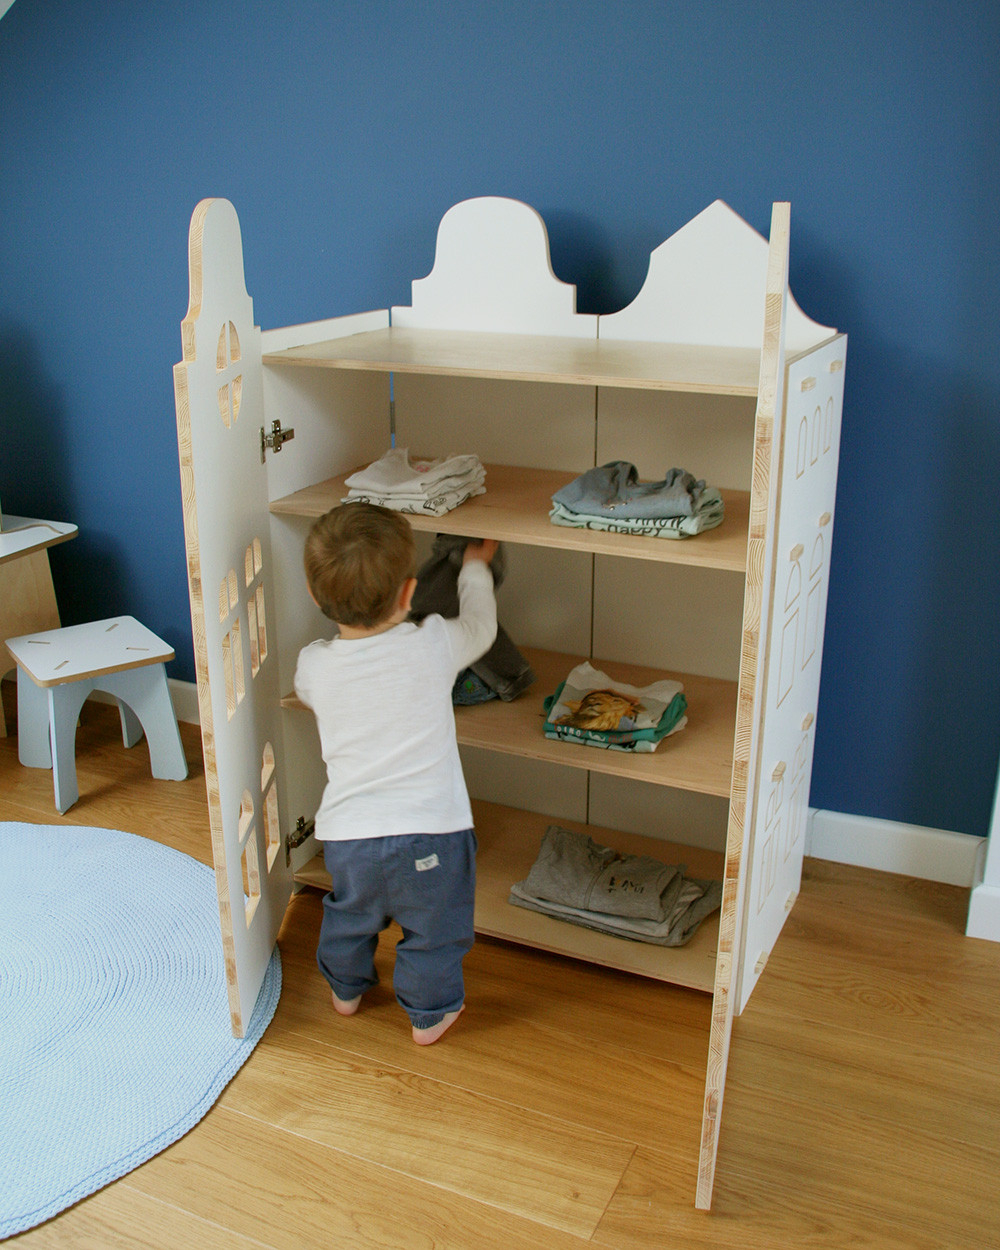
x=275, y=439
x=303, y=829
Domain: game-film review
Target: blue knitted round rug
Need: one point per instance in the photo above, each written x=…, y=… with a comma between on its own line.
x=114, y=1021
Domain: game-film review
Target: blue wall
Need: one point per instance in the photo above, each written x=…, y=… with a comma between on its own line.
x=343, y=129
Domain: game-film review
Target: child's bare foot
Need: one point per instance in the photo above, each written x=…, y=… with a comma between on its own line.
x=345, y=1006
x=426, y=1037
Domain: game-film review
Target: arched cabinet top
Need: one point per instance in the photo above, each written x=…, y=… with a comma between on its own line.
x=705, y=285
x=493, y=272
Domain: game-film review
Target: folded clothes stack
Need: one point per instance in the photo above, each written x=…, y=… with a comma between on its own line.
x=611, y=497
x=631, y=896
x=427, y=487
x=591, y=709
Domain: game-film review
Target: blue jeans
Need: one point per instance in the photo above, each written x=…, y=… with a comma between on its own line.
x=427, y=884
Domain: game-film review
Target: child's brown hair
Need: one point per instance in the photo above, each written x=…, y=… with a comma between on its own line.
x=357, y=558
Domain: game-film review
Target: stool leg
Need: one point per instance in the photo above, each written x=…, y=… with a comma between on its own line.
x=146, y=692
x=64, y=711
x=33, y=748
x=131, y=725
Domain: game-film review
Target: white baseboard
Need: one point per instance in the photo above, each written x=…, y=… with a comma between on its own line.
x=184, y=696
x=912, y=850
x=984, y=913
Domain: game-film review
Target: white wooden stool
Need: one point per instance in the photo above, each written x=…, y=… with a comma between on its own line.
x=58, y=669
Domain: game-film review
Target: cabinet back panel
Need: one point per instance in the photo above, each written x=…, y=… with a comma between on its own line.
x=709, y=435
x=543, y=427
x=670, y=616
x=658, y=811
x=530, y=785
x=545, y=599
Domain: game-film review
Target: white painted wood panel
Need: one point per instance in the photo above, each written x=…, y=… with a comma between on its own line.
x=220, y=409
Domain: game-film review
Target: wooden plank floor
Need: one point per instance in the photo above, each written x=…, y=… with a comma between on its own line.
x=862, y=1108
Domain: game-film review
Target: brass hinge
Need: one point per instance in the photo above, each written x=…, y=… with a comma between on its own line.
x=275, y=439
x=303, y=829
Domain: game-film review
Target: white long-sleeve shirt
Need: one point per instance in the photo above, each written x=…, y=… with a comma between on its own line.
x=386, y=721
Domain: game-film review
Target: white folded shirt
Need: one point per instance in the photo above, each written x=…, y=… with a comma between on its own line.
x=395, y=473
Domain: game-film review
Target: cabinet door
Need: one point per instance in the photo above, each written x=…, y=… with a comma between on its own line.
x=220, y=418
x=744, y=854
x=805, y=447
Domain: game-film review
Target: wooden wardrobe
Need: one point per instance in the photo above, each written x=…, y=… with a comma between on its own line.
x=712, y=368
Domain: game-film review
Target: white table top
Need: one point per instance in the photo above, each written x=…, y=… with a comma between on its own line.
x=20, y=535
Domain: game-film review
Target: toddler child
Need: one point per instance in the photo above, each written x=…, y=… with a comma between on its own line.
x=394, y=820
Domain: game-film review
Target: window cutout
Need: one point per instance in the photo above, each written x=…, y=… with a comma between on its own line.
x=223, y=601
x=801, y=450
x=251, y=876
x=224, y=406
x=246, y=815
x=234, y=590
x=236, y=634
x=816, y=560
x=254, y=648
x=248, y=567
x=267, y=766
x=258, y=560
x=227, y=667
x=261, y=623
x=794, y=585
x=272, y=829
x=227, y=353
x=237, y=394
x=816, y=433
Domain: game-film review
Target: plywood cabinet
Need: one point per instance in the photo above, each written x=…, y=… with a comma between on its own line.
x=712, y=368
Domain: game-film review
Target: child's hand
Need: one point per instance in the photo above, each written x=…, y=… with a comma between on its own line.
x=484, y=550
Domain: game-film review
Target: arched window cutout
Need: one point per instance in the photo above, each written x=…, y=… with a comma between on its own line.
x=803, y=447
x=261, y=623
x=794, y=585
x=816, y=560
x=246, y=815
x=272, y=829
x=267, y=766
x=254, y=646
x=251, y=876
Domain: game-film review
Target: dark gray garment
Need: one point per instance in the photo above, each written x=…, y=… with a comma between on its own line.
x=571, y=867
x=503, y=669
x=613, y=490
x=575, y=871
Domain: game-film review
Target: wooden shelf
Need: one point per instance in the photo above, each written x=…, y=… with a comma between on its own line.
x=508, y=845
x=516, y=508
x=536, y=358
x=698, y=758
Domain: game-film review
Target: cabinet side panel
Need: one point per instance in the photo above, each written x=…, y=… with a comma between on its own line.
x=340, y=419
